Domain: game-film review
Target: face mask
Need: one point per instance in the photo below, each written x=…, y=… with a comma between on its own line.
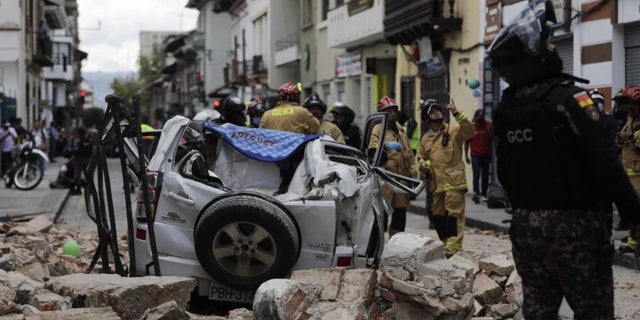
x=256, y=121
x=438, y=120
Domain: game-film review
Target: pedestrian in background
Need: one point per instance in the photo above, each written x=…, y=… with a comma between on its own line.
x=400, y=161
x=440, y=158
x=41, y=139
x=318, y=108
x=481, y=147
x=343, y=117
x=8, y=136
x=628, y=139
x=556, y=167
x=53, y=138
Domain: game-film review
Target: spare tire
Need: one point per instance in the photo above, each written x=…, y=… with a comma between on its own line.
x=245, y=240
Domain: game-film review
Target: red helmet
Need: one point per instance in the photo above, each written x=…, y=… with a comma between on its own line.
x=632, y=92
x=256, y=106
x=386, y=103
x=289, y=92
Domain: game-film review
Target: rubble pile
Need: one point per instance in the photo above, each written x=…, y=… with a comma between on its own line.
x=414, y=281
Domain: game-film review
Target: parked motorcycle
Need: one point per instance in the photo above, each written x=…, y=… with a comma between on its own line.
x=25, y=172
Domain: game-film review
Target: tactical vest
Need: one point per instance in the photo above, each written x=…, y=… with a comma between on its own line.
x=539, y=150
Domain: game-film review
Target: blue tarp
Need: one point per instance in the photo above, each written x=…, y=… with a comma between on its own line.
x=261, y=144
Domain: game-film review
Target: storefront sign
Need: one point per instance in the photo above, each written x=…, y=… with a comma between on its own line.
x=380, y=87
x=348, y=64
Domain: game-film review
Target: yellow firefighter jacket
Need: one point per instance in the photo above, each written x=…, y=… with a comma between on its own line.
x=288, y=116
x=330, y=129
x=447, y=168
x=400, y=162
x=629, y=156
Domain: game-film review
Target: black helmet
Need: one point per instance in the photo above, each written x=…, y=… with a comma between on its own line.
x=427, y=106
x=343, y=110
x=233, y=110
x=519, y=54
x=314, y=100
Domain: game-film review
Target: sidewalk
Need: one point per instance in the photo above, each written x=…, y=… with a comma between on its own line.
x=480, y=217
x=17, y=204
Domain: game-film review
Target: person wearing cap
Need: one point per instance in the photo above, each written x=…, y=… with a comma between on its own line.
x=628, y=139
x=318, y=108
x=440, y=158
x=554, y=161
x=400, y=161
x=8, y=136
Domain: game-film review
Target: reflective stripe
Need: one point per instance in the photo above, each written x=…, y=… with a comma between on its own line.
x=632, y=243
x=282, y=111
x=632, y=173
x=461, y=116
x=448, y=187
x=453, y=245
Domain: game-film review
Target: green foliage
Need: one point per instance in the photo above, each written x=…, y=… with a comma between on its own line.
x=92, y=116
x=149, y=70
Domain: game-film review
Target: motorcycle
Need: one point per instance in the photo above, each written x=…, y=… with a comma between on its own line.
x=25, y=172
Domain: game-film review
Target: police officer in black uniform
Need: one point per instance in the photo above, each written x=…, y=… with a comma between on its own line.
x=555, y=163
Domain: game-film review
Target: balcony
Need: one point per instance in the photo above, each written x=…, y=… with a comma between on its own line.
x=355, y=23
x=239, y=73
x=408, y=20
x=61, y=69
x=288, y=50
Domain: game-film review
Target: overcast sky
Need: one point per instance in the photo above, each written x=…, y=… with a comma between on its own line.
x=109, y=29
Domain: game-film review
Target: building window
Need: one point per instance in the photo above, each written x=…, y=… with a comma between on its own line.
x=326, y=92
x=325, y=9
x=260, y=36
x=341, y=91
x=307, y=13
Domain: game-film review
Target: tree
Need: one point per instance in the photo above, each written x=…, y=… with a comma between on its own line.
x=92, y=116
x=149, y=70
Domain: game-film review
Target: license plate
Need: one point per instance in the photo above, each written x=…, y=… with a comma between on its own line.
x=220, y=292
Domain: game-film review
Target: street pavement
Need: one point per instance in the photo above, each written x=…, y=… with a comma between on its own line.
x=480, y=217
x=17, y=204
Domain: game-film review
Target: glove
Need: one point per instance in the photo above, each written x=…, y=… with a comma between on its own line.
x=394, y=145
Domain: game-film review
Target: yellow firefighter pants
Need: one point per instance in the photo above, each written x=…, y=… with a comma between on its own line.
x=451, y=202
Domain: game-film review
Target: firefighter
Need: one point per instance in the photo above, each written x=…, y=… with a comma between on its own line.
x=288, y=115
x=256, y=109
x=440, y=158
x=318, y=108
x=628, y=139
x=557, y=167
x=400, y=161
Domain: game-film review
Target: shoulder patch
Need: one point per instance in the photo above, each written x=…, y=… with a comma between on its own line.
x=585, y=102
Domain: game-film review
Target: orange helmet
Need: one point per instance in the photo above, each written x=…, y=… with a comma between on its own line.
x=289, y=92
x=386, y=103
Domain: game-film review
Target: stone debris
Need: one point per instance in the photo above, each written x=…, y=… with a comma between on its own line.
x=414, y=281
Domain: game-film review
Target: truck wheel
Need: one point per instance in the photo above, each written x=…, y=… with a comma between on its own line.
x=244, y=240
